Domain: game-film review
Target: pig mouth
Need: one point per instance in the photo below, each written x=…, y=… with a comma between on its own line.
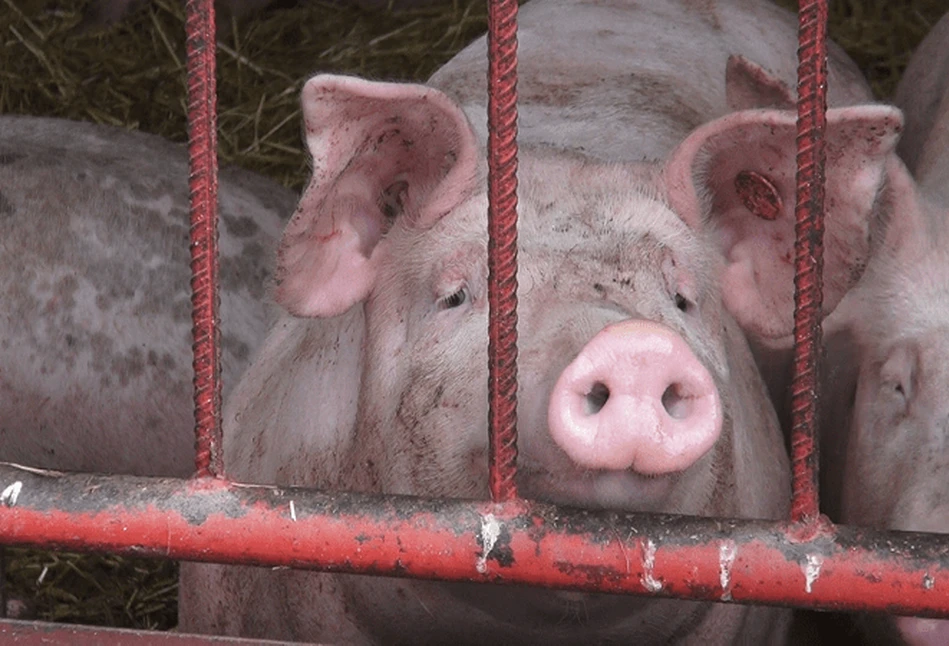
x=566, y=610
x=573, y=486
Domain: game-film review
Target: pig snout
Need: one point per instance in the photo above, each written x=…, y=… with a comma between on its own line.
x=636, y=397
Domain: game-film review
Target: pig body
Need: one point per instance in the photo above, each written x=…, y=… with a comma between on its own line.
x=645, y=254
x=95, y=331
x=631, y=89
x=887, y=415
x=923, y=95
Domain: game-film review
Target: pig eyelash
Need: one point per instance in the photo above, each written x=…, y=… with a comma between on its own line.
x=453, y=300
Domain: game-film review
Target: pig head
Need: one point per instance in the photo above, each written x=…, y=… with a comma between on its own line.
x=638, y=390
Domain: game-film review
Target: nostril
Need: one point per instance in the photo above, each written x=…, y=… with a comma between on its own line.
x=596, y=398
x=676, y=404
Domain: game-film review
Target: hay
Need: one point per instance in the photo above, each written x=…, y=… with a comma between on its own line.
x=94, y=589
x=880, y=35
x=132, y=75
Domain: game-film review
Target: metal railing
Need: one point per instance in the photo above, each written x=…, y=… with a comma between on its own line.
x=805, y=561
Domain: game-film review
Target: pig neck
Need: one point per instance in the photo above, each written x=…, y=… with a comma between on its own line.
x=290, y=371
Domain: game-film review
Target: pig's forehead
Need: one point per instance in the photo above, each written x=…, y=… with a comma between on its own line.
x=564, y=203
x=568, y=204
x=925, y=286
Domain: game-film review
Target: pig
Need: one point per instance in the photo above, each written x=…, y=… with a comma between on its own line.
x=95, y=328
x=655, y=201
x=886, y=420
x=923, y=95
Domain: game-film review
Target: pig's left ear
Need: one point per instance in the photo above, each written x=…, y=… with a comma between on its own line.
x=382, y=153
x=736, y=177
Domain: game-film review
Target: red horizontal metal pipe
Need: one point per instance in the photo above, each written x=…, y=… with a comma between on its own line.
x=512, y=542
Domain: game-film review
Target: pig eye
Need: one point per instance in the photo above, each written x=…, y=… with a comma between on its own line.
x=682, y=302
x=456, y=299
x=896, y=389
x=896, y=375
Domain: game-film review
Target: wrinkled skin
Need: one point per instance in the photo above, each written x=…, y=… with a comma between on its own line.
x=630, y=223
x=95, y=328
x=887, y=421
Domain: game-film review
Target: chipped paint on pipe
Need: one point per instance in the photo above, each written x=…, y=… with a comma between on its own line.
x=649, y=564
x=10, y=494
x=513, y=542
x=812, y=571
x=727, y=552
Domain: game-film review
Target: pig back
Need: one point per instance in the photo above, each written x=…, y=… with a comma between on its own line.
x=95, y=359
x=923, y=95
x=625, y=80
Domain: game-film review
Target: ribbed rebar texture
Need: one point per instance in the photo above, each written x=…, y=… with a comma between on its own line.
x=809, y=256
x=502, y=247
x=202, y=149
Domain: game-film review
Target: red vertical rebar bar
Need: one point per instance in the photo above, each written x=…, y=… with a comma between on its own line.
x=809, y=256
x=202, y=149
x=502, y=247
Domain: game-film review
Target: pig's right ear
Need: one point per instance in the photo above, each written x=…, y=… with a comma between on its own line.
x=381, y=152
x=735, y=178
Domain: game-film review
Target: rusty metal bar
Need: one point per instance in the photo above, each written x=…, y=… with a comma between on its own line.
x=202, y=150
x=28, y=633
x=3, y=582
x=513, y=542
x=502, y=248
x=809, y=257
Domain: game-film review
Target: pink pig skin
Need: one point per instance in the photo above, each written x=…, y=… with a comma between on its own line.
x=886, y=424
x=95, y=328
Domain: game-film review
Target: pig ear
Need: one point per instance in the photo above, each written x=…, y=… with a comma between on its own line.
x=749, y=86
x=909, y=227
x=736, y=175
x=381, y=152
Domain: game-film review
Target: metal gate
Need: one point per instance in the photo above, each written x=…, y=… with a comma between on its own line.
x=803, y=561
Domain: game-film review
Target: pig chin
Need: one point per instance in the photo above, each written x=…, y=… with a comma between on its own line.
x=623, y=490
x=559, y=482
x=919, y=631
